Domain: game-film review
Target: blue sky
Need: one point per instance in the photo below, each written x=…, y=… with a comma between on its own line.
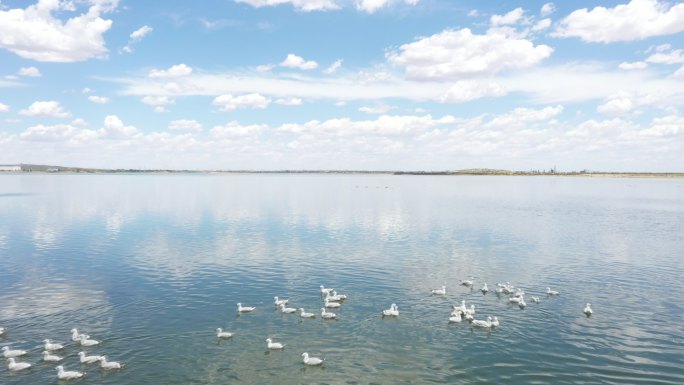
x=343, y=84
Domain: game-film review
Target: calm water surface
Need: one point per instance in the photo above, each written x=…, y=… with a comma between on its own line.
x=153, y=264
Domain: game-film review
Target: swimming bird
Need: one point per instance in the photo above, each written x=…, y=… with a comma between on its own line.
x=50, y=357
x=68, y=375
x=484, y=289
x=393, y=311
x=587, y=310
x=87, y=359
x=51, y=346
x=470, y=311
x=312, y=361
x=8, y=353
x=15, y=366
x=515, y=300
x=336, y=297
x=469, y=317
x=495, y=321
x=535, y=299
x=245, y=309
x=455, y=318
x=462, y=309
x=85, y=341
x=279, y=302
x=326, y=291
x=522, y=304
x=274, y=345
x=483, y=324
x=304, y=314
x=2, y=331
x=221, y=334
x=75, y=335
x=287, y=310
x=441, y=291
x=551, y=292
x=467, y=282
x=327, y=314
x=108, y=365
x=331, y=305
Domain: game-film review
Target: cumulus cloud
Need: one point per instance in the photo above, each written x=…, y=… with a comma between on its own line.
x=301, y=5
x=679, y=74
x=135, y=37
x=35, y=33
x=637, y=20
x=547, y=9
x=45, y=108
x=4, y=107
x=541, y=25
x=467, y=90
x=672, y=125
x=624, y=102
x=289, y=101
x=382, y=126
x=160, y=100
x=234, y=130
x=511, y=18
x=173, y=71
x=185, y=125
x=114, y=128
x=229, y=102
x=56, y=133
x=333, y=67
x=637, y=65
x=453, y=55
x=376, y=110
x=521, y=116
x=30, y=72
x=661, y=57
x=98, y=99
x=294, y=61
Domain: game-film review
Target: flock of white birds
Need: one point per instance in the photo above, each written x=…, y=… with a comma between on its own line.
x=50, y=355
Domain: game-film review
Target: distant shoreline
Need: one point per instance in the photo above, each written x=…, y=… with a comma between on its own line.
x=29, y=168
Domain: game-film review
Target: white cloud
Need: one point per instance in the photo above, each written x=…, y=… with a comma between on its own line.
x=467, y=90
x=333, y=67
x=265, y=67
x=289, y=101
x=45, y=108
x=141, y=32
x=547, y=9
x=637, y=65
x=672, y=125
x=79, y=122
x=637, y=20
x=160, y=109
x=30, y=71
x=174, y=71
x=624, y=102
x=679, y=74
x=458, y=54
x=294, y=61
x=301, y=5
x=511, y=18
x=115, y=129
x=384, y=125
x=87, y=90
x=541, y=25
x=159, y=100
x=473, y=13
x=521, y=116
x=673, y=57
x=57, y=133
x=370, y=6
x=185, y=125
x=376, y=110
x=34, y=33
x=98, y=99
x=234, y=130
x=4, y=107
x=229, y=102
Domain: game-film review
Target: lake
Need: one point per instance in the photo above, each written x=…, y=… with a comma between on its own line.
x=152, y=264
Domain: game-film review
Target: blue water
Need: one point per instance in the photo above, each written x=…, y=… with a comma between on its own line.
x=153, y=264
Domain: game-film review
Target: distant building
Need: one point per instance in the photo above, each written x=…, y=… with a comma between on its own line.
x=10, y=168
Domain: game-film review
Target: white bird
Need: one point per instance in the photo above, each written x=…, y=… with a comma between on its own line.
x=51, y=346
x=2, y=331
x=274, y=345
x=327, y=314
x=441, y=291
x=87, y=359
x=13, y=365
x=535, y=299
x=279, y=302
x=8, y=353
x=67, y=375
x=311, y=360
x=551, y=292
x=50, y=357
x=85, y=341
x=462, y=309
x=587, y=310
x=326, y=291
x=287, y=310
x=483, y=324
x=470, y=311
x=245, y=309
x=522, y=304
x=515, y=299
x=484, y=289
x=336, y=297
x=455, y=318
x=108, y=365
x=393, y=311
x=519, y=292
x=469, y=317
x=304, y=314
x=495, y=321
x=331, y=305
x=75, y=335
x=221, y=334
x=467, y=282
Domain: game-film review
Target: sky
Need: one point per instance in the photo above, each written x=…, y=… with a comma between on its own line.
x=343, y=84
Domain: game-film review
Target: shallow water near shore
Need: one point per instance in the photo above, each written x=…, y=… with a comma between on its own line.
x=151, y=265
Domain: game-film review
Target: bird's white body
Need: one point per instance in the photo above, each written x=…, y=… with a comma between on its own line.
x=15, y=366
x=87, y=359
x=2, y=331
x=9, y=353
x=221, y=334
x=75, y=335
x=312, y=361
x=467, y=282
x=339, y=296
x=393, y=311
x=304, y=314
x=50, y=346
x=86, y=341
x=522, y=304
x=108, y=365
x=327, y=314
x=440, y=291
x=244, y=309
x=67, y=375
x=455, y=318
x=326, y=291
x=484, y=289
x=551, y=292
x=331, y=305
x=469, y=311
x=495, y=321
x=587, y=310
x=483, y=324
x=274, y=345
x=535, y=299
x=279, y=302
x=515, y=299
x=287, y=310
x=50, y=357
